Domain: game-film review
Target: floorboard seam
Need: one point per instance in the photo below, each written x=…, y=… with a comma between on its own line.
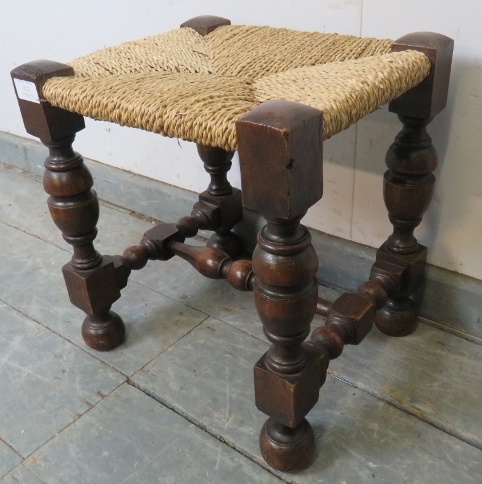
x=453, y=331
x=11, y=447
x=29, y=470
x=64, y=338
x=125, y=375
x=181, y=301
x=208, y=430
x=170, y=346
x=37, y=476
x=242, y=330
x=428, y=420
x=77, y=417
x=33, y=235
x=20, y=171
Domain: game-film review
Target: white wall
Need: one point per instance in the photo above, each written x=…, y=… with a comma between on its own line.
x=352, y=206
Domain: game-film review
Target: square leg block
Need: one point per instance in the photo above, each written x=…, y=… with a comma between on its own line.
x=409, y=268
x=287, y=398
x=95, y=290
x=353, y=313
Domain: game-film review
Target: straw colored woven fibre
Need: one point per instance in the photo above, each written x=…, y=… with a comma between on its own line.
x=180, y=50
x=183, y=85
x=197, y=107
x=259, y=51
x=346, y=91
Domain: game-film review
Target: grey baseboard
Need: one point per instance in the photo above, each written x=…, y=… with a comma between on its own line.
x=451, y=300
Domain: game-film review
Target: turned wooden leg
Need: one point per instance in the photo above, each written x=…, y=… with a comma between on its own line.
x=280, y=141
x=287, y=376
x=93, y=281
x=407, y=196
x=409, y=181
x=226, y=200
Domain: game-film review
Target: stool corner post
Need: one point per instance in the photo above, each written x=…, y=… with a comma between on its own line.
x=429, y=97
x=40, y=118
x=280, y=145
x=205, y=24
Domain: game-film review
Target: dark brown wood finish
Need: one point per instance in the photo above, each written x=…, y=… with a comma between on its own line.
x=221, y=201
x=41, y=119
x=281, y=141
x=205, y=24
x=216, y=264
x=93, y=281
x=350, y=317
x=430, y=97
x=322, y=306
x=166, y=240
x=409, y=181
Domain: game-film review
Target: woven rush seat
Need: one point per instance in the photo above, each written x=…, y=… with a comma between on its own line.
x=185, y=85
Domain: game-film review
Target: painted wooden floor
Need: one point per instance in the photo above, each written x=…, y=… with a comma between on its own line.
x=175, y=404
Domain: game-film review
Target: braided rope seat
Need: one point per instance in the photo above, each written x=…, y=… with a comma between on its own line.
x=185, y=85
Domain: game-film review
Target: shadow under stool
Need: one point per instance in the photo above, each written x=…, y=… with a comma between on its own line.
x=274, y=95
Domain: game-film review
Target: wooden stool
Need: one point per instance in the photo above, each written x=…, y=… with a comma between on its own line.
x=274, y=95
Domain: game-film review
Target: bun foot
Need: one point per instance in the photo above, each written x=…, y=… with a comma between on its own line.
x=228, y=242
x=104, y=332
x=284, y=448
x=398, y=317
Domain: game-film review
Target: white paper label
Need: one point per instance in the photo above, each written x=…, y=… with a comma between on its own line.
x=26, y=90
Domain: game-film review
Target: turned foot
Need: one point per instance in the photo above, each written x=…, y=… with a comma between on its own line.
x=104, y=332
x=228, y=242
x=398, y=317
x=284, y=448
